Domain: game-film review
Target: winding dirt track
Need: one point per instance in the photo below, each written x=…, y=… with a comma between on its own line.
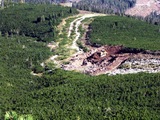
x=76, y=59
x=76, y=23
x=73, y=34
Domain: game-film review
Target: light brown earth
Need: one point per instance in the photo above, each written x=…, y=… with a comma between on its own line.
x=144, y=8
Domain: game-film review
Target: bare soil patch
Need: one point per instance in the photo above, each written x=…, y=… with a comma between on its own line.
x=106, y=59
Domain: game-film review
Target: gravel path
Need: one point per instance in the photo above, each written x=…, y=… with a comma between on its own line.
x=75, y=24
x=150, y=65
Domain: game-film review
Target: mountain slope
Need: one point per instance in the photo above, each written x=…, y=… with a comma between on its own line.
x=59, y=94
x=105, y=6
x=33, y=21
x=148, y=10
x=144, y=8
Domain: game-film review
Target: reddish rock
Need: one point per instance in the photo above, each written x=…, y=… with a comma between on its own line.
x=105, y=59
x=113, y=49
x=98, y=61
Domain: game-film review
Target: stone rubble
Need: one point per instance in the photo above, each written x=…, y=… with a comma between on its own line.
x=149, y=65
x=109, y=60
x=112, y=60
x=98, y=61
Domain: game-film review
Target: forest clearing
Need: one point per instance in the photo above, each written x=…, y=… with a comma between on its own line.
x=53, y=65
x=108, y=63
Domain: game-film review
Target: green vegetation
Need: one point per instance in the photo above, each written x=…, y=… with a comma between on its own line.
x=36, y=21
x=60, y=94
x=19, y=55
x=105, y=6
x=81, y=46
x=125, y=31
x=12, y=115
x=82, y=31
x=64, y=41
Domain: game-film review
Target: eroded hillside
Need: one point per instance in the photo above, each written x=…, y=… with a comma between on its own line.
x=105, y=6
x=83, y=52
x=144, y=8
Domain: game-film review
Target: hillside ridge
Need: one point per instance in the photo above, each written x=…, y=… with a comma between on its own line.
x=144, y=8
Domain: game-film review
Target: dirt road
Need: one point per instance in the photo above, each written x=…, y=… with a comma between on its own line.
x=74, y=27
x=75, y=60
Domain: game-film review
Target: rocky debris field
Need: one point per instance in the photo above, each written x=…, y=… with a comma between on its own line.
x=98, y=60
x=106, y=59
x=147, y=63
x=111, y=60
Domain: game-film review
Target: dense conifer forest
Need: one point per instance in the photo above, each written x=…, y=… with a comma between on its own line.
x=125, y=31
x=117, y=7
x=41, y=1
x=105, y=6
x=35, y=21
x=69, y=95
x=60, y=94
